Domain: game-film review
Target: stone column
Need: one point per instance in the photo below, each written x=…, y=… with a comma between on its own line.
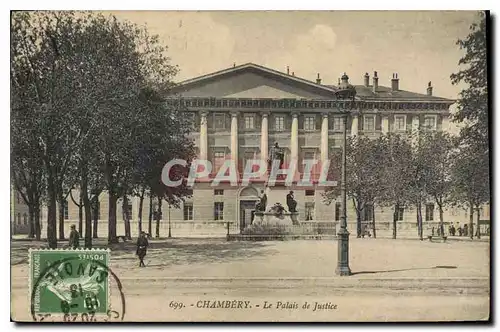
x=234, y=138
x=294, y=137
x=324, y=137
x=264, y=139
x=385, y=124
x=203, y=136
x=354, y=125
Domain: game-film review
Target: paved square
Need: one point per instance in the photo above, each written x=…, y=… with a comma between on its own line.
x=392, y=280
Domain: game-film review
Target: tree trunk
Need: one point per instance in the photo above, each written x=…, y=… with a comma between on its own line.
x=38, y=230
x=358, y=217
x=441, y=219
x=112, y=219
x=95, y=216
x=126, y=219
x=80, y=215
x=419, y=221
x=51, y=212
x=150, y=230
x=141, y=203
x=471, y=221
x=395, y=221
x=85, y=201
x=61, y=217
x=478, y=231
x=158, y=217
x=31, y=212
x=373, y=222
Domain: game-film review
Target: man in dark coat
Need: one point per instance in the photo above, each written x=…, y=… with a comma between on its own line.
x=74, y=238
x=142, y=247
x=291, y=202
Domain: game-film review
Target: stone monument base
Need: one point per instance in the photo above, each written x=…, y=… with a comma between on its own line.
x=270, y=218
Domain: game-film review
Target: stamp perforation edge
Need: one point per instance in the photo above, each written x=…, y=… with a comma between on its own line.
x=31, y=251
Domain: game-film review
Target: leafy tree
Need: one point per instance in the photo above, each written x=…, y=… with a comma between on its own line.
x=471, y=168
x=470, y=181
x=363, y=173
x=396, y=169
x=437, y=149
x=42, y=63
x=472, y=106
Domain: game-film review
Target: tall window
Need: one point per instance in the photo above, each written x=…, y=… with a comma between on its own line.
x=369, y=123
x=400, y=214
x=219, y=158
x=337, y=211
x=430, y=122
x=309, y=123
x=65, y=210
x=399, y=122
x=309, y=211
x=219, y=121
x=25, y=218
x=429, y=212
x=218, y=211
x=19, y=219
x=337, y=123
x=368, y=212
x=249, y=122
x=279, y=124
x=188, y=211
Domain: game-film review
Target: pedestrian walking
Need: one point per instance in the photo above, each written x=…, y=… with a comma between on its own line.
x=142, y=248
x=74, y=238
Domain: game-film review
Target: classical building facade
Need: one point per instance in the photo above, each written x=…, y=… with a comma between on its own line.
x=240, y=112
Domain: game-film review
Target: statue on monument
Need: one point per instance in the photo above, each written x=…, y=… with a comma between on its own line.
x=276, y=153
x=291, y=202
x=261, y=205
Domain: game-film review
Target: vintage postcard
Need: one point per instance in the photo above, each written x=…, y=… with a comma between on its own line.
x=250, y=166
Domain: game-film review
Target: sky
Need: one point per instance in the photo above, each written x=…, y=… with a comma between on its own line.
x=418, y=45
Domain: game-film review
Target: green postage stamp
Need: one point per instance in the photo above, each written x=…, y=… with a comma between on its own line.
x=66, y=281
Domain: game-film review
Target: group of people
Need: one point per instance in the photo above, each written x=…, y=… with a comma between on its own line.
x=142, y=244
x=452, y=231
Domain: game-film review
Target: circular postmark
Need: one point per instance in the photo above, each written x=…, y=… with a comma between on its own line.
x=74, y=286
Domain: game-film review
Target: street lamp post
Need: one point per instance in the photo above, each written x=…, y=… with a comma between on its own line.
x=169, y=226
x=343, y=235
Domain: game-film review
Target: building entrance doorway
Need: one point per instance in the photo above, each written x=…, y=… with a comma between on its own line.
x=247, y=211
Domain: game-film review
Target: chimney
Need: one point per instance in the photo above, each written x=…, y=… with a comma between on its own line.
x=318, y=80
x=339, y=81
x=375, y=81
x=293, y=73
x=395, y=82
x=429, y=89
x=367, y=79
x=234, y=64
x=287, y=70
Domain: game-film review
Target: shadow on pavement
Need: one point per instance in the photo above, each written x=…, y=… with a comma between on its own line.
x=189, y=251
x=401, y=270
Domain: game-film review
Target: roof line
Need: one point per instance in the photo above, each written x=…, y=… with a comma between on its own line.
x=253, y=65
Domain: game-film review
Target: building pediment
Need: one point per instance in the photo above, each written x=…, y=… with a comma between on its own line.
x=253, y=81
